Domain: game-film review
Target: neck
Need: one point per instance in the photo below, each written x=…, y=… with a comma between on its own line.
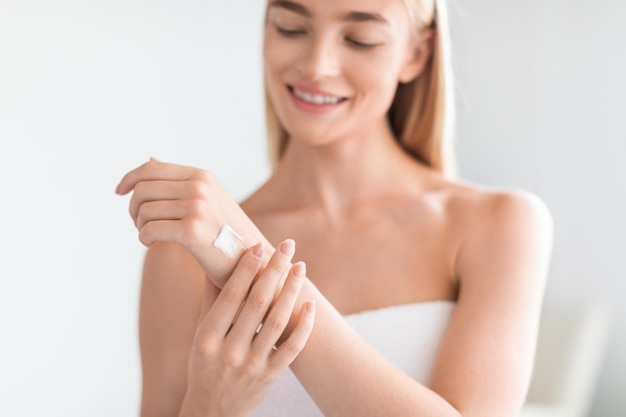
x=342, y=173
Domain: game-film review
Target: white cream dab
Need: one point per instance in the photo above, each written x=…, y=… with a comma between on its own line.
x=229, y=242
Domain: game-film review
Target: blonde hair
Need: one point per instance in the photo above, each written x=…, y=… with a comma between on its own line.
x=422, y=112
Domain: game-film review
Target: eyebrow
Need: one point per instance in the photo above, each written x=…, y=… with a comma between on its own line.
x=365, y=17
x=350, y=17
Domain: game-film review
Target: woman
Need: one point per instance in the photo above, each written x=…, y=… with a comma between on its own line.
x=421, y=294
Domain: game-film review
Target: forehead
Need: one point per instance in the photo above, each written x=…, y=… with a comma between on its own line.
x=394, y=12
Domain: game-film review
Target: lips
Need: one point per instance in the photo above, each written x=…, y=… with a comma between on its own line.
x=315, y=96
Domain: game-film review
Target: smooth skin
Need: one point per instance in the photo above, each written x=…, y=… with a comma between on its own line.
x=374, y=227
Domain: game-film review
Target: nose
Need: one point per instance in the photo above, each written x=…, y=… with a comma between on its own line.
x=319, y=60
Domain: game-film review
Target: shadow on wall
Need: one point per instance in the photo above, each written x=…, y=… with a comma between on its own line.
x=570, y=354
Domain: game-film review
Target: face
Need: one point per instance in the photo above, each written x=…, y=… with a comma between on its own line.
x=332, y=66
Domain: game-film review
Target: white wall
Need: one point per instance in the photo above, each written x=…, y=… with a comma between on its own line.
x=91, y=89
x=542, y=108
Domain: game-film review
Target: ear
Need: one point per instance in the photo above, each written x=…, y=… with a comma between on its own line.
x=420, y=51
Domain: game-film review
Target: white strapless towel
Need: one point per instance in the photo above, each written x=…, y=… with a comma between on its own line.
x=407, y=335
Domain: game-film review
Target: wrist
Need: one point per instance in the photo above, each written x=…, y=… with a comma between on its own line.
x=193, y=407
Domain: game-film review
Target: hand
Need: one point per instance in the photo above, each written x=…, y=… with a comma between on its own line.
x=231, y=365
x=185, y=205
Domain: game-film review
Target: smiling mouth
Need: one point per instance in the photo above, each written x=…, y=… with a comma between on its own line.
x=319, y=99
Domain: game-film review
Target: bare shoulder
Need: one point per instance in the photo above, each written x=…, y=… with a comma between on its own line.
x=486, y=221
x=500, y=229
x=483, y=209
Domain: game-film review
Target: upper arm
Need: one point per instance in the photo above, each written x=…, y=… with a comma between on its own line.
x=485, y=361
x=171, y=300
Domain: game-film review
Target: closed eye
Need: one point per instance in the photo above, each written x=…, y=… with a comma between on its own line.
x=290, y=33
x=293, y=33
x=360, y=45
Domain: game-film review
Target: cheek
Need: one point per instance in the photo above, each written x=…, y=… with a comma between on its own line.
x=376, y=77
x=277, y=54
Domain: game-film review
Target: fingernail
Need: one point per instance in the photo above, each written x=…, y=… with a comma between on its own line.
x=257, y=250
x=117, y=189
x=299, y=269
x=310, y=307
x=287, y=247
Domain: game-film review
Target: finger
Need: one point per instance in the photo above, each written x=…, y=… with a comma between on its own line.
x=193, y=210
x=147, y=191
x=228, y=303
x=280, y=313
x=211, y=292
x=161, y=210
x=191, y=232
x=164, y=231
x=293, y=345
x=262, y=294
x=157, y=170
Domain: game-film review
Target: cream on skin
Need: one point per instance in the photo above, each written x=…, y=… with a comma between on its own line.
x=230, y=242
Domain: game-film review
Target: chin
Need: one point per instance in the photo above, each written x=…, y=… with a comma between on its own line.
x=309, y=139
x=315, y=134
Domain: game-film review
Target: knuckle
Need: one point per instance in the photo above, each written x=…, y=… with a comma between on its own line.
x=278, y=322
x=199, y=209
x=232, y=356
x=132, y=206
x=206, y=346
x=197, y=189
x=233, y=295
x=251, y=366
x=143, y=213
x=277, y=266
x=145, y=234
x=259, y=301
x=205, y=177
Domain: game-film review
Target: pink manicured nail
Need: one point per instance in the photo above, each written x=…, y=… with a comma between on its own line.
x=287, y=247
x=257, y=250
x=310, y=307
x=299, y=269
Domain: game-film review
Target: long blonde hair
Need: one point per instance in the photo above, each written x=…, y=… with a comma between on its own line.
x=422, y=112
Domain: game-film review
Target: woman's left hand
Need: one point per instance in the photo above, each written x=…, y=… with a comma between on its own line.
x=233, y=360
x=181, y=204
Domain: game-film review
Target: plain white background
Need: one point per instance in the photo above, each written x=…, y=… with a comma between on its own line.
x=90, y=89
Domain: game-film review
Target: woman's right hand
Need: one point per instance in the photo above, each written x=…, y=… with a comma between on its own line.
x=233, y=364
x=188, y=206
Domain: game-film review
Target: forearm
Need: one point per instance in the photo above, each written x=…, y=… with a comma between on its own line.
x=345, y=376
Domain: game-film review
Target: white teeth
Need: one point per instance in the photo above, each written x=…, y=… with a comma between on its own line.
x=316, y=98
